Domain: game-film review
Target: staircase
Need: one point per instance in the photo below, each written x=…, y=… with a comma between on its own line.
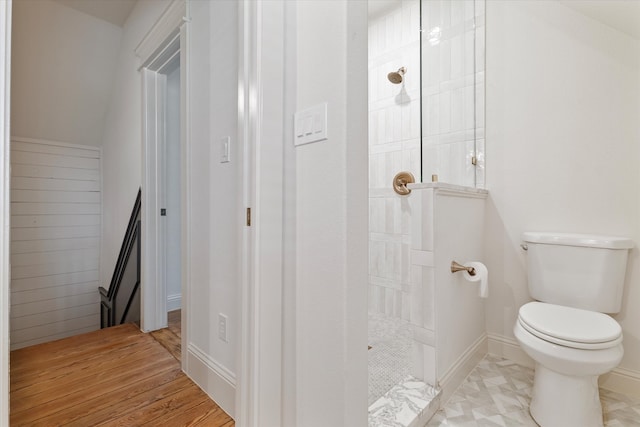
x=121, y=302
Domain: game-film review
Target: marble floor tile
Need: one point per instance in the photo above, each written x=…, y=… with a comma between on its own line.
x=498, y=392
x=389, y=356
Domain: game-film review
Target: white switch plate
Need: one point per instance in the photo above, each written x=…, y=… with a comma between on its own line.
x=225, y=149
x=310, y=125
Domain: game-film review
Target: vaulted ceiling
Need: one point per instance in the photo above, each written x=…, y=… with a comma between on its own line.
x=113, y=11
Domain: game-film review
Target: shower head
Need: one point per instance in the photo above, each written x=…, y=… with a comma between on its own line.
x=396, y=77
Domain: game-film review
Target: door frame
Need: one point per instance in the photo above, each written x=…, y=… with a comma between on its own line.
x=262, y=135
x=166, y=40
x=5, y=171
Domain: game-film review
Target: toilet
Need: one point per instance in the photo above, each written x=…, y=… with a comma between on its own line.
x=575, y=279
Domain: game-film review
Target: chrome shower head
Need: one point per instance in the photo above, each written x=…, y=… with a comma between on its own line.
x=396, y=77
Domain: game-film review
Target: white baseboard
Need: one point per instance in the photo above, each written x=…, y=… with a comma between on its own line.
x=508, y=348
x=461, y=368
x=620, y=380
x=214, y=379
x=174, y=302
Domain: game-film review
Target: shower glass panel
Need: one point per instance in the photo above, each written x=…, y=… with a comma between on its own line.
x=452, y=73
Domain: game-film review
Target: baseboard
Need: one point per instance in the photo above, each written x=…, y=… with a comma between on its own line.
x=620, y=380
x=508, y=348
x=461, y=368
x=213, y=378
x=174, y=302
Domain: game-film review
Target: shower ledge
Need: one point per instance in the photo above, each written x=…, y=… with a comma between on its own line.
x=450, y=188
x=410, y=403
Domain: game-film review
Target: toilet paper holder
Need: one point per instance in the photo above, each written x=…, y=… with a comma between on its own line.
x=455, y=267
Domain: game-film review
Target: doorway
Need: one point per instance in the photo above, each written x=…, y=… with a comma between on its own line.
x=162, y=186
x=170, y=188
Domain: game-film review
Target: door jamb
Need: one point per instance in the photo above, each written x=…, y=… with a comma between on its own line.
x=167, y=38
x=5, y=165
x=261, y=134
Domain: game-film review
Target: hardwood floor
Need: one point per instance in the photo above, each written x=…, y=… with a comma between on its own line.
x=171, y=336
x=113, y=377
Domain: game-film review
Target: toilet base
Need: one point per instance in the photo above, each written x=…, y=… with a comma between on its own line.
x=561, y=400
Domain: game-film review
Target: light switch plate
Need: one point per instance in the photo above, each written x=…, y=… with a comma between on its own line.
x=310, y=125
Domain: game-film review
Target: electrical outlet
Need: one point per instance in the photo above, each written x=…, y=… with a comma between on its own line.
x=222, y=327
x=225, y=149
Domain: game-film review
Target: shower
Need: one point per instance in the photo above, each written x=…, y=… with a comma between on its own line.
x=396, y=77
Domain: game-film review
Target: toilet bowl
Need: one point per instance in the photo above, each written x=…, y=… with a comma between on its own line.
x=575, y=279
x=571, y=348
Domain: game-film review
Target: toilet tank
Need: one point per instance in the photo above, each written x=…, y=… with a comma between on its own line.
x=577, y=270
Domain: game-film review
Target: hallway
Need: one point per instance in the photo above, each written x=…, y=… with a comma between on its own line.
x=114, y=376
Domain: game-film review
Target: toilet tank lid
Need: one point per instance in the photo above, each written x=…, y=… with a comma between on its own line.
x=571, y=239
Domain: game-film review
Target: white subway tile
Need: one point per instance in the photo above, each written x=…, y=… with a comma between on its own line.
x=431, y=124
x=406, y=312
x=445, y=112
x=445, y=14
x=457, y=12
x=432, y=16
x=396, y=114
x=469, y=53
x=457, y=57
x=405, y=267
x=428, y=297
x=469, y=10
x=457, y=110
x=388, y=301
x=444, y=61
x=414, y=25
x=416, y=315
x=469, y=108
x=444, y=167
x=480, y=106
x=479, y=7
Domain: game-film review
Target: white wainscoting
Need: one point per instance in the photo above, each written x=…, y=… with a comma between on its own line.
x=55, y=240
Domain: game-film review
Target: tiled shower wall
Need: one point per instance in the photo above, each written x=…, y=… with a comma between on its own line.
x=453, y=91
x=451, y=86
x=394, y=146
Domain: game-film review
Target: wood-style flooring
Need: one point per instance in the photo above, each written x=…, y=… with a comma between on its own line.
x=170, y=337
x=113, y=377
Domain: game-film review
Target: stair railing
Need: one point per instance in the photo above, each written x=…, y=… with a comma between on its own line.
x=121, y=302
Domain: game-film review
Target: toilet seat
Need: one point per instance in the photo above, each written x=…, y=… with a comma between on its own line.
x=570, y=327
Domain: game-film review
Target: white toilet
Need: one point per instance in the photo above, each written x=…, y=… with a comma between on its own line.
x=575, y=278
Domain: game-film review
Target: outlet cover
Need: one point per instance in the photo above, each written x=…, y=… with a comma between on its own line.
x=222, y=327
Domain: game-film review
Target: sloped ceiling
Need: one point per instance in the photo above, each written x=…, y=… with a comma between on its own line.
x=379, y=7
x=623, y=15
x=113, y=11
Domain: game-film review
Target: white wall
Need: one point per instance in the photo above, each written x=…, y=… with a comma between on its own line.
x=446, y=225
x=62, y=71
x=173, y=274
x=55, y=240
x=563, y=145
x=214, y=218
x=122, y=146
x=331, y=211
